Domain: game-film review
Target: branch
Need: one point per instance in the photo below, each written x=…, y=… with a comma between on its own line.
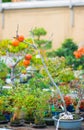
x=49, y=75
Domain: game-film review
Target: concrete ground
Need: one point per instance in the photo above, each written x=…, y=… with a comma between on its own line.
x=27, y=127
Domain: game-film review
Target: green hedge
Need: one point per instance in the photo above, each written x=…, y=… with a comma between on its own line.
x=6, y=0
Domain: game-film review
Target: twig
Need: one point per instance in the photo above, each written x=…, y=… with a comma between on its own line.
x=17, y=30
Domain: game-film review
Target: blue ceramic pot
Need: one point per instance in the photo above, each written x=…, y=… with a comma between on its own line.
x=68, y=124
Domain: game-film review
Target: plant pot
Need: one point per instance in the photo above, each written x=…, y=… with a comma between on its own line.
x=7, y=115
x=3, y=119
x=29, y=121
x=68, y=124
x=49, y=121
x=70, y=108
x=39, y=125
x=82, y=114
x=17, y=123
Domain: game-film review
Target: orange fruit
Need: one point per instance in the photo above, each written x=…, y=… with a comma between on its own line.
x=21, y=38
x=28, y=56
x=15, y=42
x=26, y=62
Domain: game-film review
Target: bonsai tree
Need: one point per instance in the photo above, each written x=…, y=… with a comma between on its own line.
x=41, y=43
x=30, y=106
x=41, y=106
x=36, y=48
x=16, y=104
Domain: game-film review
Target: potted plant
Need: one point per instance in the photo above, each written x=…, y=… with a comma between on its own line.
x=4, y=107
x=30, y=106
x=41, y=107
x=16, y=104
x=65, y=115
x=41, y=104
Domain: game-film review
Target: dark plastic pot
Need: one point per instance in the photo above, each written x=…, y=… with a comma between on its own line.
x=39, y=125
x=3, y=119
x=17, y=123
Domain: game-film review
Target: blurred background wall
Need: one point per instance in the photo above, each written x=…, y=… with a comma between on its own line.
x=61, y=22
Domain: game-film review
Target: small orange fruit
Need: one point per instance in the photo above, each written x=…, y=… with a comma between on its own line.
x=15, y=42
x=28, y=56
x=26, y=62
x=21, y=38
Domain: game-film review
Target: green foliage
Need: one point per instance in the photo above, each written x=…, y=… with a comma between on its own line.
x=66, y=75
x=65, y=89
x=2, y=82
x=17, y=93
x=75, y=63
x=6, y=0
x=55, y=66
x=38, y=81
x=67, y=48
x=38, y=33
x=59, y=70
x=51, y=54
x=34, y=104
x=3, y=69
x=4, y=103
x=4, y=46
x=17, y=49
x=41, y=105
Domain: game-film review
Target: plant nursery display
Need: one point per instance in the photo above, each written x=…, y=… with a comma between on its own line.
x=41, y=87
